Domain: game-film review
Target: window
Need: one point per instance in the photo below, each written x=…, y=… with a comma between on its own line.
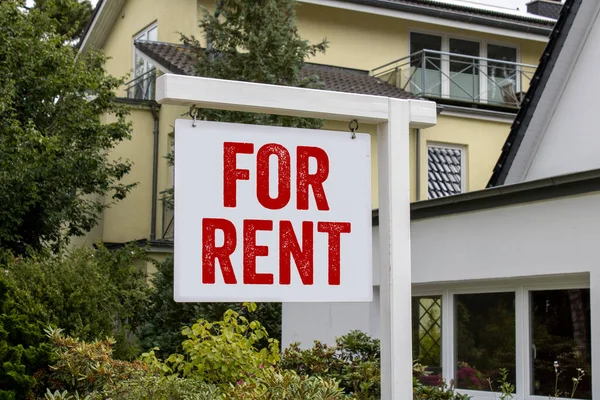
x=427, y=337
x=461, y=69
x=141, y=66
x=467, y=333
x=142, y=86
x=445, y=171
x=464, y=71
x=560, y=332
x=485, y=339
x=429, y=81
x=502, y=75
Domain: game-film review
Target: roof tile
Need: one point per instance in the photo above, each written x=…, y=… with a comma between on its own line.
x=178, y=59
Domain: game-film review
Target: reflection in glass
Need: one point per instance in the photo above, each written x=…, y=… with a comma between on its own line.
x=485, y=339
x=430, y=81
x=464, y=71
x=427, y=337
x=502, y=77
x=560, y=329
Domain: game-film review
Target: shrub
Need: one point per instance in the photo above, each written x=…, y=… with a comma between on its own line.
x=225, y=352
x=287, y=385
x=143, y=386
x=354, y=361
x=91, y=293
x=164, y=318
x=84, y=367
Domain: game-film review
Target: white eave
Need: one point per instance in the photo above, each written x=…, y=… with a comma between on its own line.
x=101, y=25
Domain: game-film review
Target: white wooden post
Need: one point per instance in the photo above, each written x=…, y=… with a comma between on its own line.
x=394, y=258
x=395, y=118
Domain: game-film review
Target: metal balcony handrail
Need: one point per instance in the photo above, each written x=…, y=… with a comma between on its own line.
x=445, y=53
x=142, y=86
x=452, y=69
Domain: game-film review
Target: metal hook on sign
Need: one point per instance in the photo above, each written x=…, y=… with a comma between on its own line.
x=194, y=113
x=353, y=126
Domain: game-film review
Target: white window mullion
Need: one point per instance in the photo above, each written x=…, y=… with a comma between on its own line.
x=483, y=74
x=522, y=343
x=448, y=336
x=445, y=67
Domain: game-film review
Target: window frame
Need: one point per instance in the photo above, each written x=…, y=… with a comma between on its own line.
x=483, y=53
x=463, y=161
x=523, y=340
x=135, y=37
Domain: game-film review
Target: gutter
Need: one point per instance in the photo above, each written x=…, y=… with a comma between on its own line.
x=458, y=16
x=154, y=109
x=526, y=192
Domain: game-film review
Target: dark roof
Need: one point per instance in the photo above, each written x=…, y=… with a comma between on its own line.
x=532, y=98
x=474, y=13
x=444, y=173
x=178, y=59
x=519, y=193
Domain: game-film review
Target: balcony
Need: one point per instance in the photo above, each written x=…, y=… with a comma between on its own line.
x=143, y=86
x=440, y=75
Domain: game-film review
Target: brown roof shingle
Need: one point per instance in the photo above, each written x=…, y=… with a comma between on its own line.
x=177, y=59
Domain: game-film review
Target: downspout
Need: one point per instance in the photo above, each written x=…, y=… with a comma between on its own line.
x=418, y=161
x=154, y=110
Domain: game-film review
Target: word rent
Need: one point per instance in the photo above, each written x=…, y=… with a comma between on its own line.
x=294, y=245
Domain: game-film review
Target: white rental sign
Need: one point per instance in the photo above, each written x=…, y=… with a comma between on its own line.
x=271, y=214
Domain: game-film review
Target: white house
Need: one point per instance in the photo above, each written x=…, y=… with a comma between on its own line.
x=509, y=277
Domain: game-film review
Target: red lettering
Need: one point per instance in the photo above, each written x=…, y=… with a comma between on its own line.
x=283, y=176
x=252, y=250
x=334, y=229
x=230, y=172
x=289, y=247
x=305, y=179
x=210, y=252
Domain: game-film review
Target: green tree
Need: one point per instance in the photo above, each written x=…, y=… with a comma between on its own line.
x=254, y=41
x=69, y=17
x=54, y=166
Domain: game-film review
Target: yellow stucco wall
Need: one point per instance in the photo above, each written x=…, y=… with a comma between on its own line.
x=129, y=219
x=482, y=140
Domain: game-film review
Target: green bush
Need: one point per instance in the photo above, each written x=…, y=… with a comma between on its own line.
x=354, y=361
x=220, y=361
x=225, y=352
x=90, y=293
x=144, y=386
x=164, y=318
x=276, y=384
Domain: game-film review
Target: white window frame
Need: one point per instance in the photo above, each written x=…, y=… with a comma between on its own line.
x=463, y=162
x=143, y=32
x=483, y=52
x=521, y=287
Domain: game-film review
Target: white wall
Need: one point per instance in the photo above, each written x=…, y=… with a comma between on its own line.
x=306, y=322
x=546, y=238
x=572, y=141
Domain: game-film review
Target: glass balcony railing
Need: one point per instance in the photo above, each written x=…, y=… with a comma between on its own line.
x=442, y=75
x=143, y=86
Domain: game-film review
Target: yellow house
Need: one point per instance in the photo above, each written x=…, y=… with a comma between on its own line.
x=476, y=61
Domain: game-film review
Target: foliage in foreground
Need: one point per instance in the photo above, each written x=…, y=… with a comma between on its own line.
x=164, y=318
x=90, y=293
x=220, y=361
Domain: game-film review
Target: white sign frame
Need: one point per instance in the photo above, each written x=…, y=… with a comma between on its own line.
x=395, y=118
x=200, y=199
